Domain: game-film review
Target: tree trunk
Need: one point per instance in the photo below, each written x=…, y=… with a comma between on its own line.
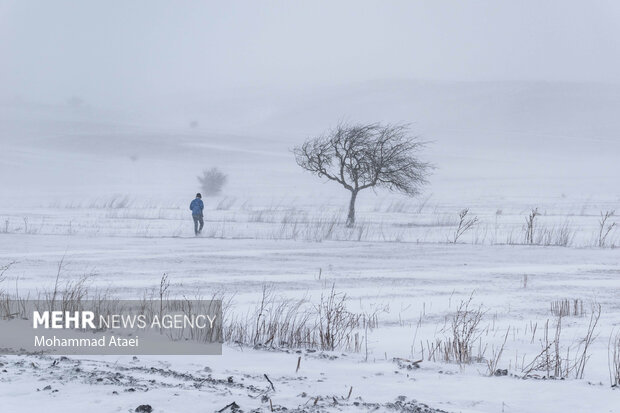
x=351, y=217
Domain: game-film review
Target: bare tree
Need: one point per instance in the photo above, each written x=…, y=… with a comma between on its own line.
x=366, y=156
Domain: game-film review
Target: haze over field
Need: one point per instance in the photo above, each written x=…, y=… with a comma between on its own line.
x=519, y=139
x=100, y=100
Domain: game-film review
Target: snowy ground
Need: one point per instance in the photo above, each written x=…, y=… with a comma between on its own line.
x=414, y=286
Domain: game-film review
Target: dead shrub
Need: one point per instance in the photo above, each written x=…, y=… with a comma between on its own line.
x=336, y=324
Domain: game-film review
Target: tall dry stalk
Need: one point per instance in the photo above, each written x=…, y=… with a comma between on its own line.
x=465, y=224
x=530, y=223
x=584, y=346
x=493, y=362
x=604, y=227
x=613, y=359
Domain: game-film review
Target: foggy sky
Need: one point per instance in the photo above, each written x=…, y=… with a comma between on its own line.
x=115, y=53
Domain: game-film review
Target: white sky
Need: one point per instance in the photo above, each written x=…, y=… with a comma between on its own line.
x=113, y=52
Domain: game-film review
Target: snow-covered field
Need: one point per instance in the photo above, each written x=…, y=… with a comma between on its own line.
x=109, y=200
x=415, y=287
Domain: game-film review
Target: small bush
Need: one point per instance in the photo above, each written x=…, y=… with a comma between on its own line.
x=335, y=322
x=212, y=181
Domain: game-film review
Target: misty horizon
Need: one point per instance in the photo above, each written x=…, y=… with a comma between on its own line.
x=121, y=55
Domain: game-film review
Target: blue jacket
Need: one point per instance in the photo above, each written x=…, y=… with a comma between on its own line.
x=197, y=206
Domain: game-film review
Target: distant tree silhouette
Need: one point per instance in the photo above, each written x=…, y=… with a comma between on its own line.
x=212, y=181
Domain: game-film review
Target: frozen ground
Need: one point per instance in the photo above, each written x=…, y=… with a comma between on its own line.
x=416, y=286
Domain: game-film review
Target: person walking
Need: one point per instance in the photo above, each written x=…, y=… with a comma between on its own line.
x=196, y=206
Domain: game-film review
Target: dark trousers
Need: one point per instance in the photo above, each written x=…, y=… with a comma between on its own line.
x=198, y=220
